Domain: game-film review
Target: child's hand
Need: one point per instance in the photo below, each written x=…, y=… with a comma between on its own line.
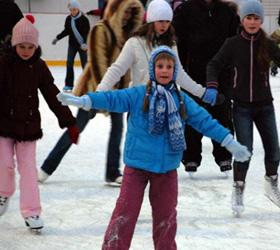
x=74, y=133
x=239, y=152
x=83, y=102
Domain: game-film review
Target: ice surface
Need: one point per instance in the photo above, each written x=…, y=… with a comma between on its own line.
x=77, y=204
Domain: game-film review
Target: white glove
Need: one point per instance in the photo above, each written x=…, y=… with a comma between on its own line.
x=239, y=152
x=83, y=102
x=84, y=46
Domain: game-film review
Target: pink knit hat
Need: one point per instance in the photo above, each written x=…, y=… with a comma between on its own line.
x=25, y=32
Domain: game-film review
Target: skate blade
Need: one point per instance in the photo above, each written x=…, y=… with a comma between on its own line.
x=237, y=214
x=192, y=175
x=113, y=184
x=36, y=230
x=225, y=174
x=275, y=203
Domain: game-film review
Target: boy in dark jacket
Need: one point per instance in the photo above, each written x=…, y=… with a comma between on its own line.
x=76, y=27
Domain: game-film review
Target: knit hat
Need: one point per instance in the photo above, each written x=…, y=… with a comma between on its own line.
x=251, y=7
x=74, y=4
x=159, y=10
x=25, y=32
x=154, y=54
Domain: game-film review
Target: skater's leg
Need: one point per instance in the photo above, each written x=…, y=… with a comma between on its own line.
x=7, y=172
x=64, y=143
x=122, y=224
x=113, y=152
x=163, y=198
x=28, y=185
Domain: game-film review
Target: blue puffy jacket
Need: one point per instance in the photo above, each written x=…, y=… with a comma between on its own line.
x=153, y=152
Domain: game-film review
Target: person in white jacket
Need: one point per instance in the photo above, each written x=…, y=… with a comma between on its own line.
x=136, y=53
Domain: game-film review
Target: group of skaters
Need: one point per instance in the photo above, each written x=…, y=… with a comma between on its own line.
x=214, y=84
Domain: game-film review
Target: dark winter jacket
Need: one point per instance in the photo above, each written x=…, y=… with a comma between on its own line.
x=19, y=109
x=250, y=85
x=82, y=24
x=201, y=30
x=10, y=14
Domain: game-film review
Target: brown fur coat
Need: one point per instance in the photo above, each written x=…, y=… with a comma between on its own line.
x=105, y=42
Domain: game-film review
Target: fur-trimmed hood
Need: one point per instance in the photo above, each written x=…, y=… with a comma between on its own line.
x=114, y=14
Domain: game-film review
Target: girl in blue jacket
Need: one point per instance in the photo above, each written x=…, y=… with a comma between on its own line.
x=153, y=147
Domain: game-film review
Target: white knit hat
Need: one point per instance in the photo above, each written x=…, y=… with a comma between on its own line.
x=159, y=10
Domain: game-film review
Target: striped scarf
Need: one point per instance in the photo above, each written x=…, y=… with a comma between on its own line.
x=163, y=111
x=75, y=30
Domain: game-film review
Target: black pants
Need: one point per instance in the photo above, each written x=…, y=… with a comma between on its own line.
x=193, y=138
x=113, y=153
x=72, y=51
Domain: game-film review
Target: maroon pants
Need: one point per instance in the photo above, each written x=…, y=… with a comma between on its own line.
x=163, y=199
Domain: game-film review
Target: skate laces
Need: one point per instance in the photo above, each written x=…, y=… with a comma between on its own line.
x=35, y=217
x=3, y=200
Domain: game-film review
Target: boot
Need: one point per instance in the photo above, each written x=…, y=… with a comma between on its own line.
x=271, y=189
x=225, y=165
x=191, y=166
x=34, y=223
x=237, y=198
x=42, y=175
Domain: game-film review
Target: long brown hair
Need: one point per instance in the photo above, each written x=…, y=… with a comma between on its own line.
x=147, y=30
x=263, y=57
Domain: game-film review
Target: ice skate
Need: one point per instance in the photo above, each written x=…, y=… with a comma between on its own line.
x=42, y=175
x=271, y=189
x=237, y=205
x=191, y=168
x=67, y=89
x=34, y=223
x=225, y=167
x=4, y=202
x=116, y=182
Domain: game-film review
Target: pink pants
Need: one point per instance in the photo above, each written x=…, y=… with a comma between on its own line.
x=26, y=163
x=163, y=199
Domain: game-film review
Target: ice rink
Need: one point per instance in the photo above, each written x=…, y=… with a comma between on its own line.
x=77, y=204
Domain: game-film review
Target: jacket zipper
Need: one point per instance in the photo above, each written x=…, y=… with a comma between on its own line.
x=235, y=77
x=251, y=68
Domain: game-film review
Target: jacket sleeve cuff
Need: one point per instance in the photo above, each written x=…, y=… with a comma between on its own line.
x=213, y=85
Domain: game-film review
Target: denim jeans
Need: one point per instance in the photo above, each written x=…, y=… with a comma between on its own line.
x=72, y=51
x=64, y=143
x=264, y=119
